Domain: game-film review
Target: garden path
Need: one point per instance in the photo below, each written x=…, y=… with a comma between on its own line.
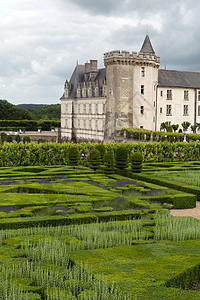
x=191, y=212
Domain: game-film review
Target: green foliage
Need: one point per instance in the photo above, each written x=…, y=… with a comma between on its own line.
x=136, y=162
x=109, y=162
x=3, y=136
x=18, y=138
x=8, y=110
x=42, y=141
x=185, y=125
x=175, y=127
x=9, y=139
x=102, y=150
x=26, y=139
x=52, y=112
x=73, y=156
x=121, y=157
x=94, y=159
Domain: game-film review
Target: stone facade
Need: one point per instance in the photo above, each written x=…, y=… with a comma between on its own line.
x=130, y=92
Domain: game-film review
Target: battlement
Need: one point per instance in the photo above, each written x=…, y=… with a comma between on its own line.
x=126, y=57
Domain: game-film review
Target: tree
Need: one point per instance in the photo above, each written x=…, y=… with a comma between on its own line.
x=185, y=125
x=10, y=112
x=194, y=127
x=175, y=127
x=163, y=126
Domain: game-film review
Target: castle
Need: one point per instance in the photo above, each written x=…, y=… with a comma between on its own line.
x=130, y=92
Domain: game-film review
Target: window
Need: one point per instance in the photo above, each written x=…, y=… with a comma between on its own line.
x=84, y=123
x=161, y=93
x=84, y=108
x=79, y=108
x=66, y=108
x=143, y=72
x=186, y=95
x=198, y=110
x=154, y=104
x=198, y=95
x=90, y=108
x=142, y=110
x=78, y=124
x=90, y=124
x=169, y=110
x=168, y=123
x=169, y=94
x=104, y=108
x=160, y=110
x=96, y=108
x=185, y=110
x=142, y=89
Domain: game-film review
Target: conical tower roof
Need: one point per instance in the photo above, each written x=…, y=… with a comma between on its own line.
x=147, y=47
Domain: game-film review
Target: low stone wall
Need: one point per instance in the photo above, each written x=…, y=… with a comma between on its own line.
x=50, y=136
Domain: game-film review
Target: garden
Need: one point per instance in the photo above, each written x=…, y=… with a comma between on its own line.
x=86, y=229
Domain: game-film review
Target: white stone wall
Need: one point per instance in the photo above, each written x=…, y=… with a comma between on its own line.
x=89, y=118
x=145, y=79
x=178, y=114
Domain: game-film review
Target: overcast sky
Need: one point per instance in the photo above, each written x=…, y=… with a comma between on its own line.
x=41, y=40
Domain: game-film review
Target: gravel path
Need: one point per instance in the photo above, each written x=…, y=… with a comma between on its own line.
x=191, y=212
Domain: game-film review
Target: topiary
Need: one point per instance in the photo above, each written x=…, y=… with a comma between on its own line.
x=26, y=139
x=94, y=159
x=121, y=157
x=73, y=156
x=136, y=162
x=9, y=139
x=3, y=136
x=109, y=162
x=101, y=149
x=18, y=138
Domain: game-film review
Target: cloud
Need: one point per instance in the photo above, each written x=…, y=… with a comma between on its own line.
x=42, y=40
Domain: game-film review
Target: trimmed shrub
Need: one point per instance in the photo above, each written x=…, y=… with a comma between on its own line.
x=73, y=156
x=18, y=138
x=101, y=149
x=9, y=139
x=3, y=136
x=109, y=162
x=136, y=162
x=121, y=157
x=94, y=159
x=26, y=139
x=42, y=141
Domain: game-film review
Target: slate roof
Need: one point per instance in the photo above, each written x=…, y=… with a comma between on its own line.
x=172, y=78
x=147, y=46
x=78, y=76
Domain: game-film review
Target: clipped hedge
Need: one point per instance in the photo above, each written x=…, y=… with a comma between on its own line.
x=17, y=223
x=13, y=154
x=169, y=184
x=30, y=125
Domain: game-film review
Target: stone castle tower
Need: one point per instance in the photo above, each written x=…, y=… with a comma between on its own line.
x=131, y=89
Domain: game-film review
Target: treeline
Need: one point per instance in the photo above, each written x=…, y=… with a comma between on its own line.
x=42, y=111
x=9, y=111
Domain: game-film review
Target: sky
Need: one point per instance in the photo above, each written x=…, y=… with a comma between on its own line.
x=42, y=40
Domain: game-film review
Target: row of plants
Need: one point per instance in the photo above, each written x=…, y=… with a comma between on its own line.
x=13, y=154
x=158, y=136
x=100, y=261
x=30, y=125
